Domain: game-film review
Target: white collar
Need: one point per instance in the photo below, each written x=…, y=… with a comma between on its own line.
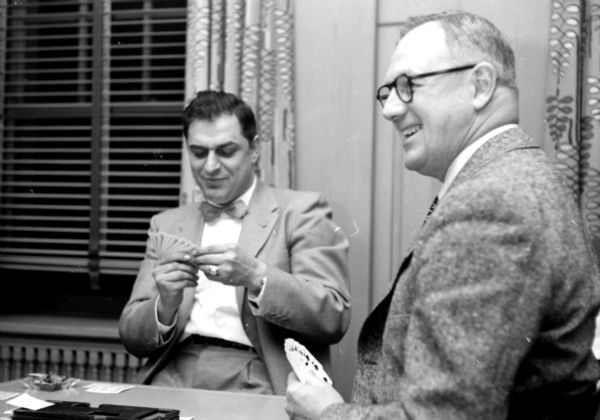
x=248, y=194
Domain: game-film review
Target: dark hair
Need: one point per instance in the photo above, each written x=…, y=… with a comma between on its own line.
x=211, y=104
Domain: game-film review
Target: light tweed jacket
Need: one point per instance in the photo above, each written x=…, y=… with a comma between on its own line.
x=492, y=316
x=306, y=296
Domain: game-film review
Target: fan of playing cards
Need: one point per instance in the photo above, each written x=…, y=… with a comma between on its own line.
x=163, y=242
x=305, y=365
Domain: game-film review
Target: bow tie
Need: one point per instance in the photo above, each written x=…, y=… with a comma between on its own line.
x=236, y=210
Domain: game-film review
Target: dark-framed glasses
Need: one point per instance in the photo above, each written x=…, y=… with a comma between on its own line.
x=404, y=84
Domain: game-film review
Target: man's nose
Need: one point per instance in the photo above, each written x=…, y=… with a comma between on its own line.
x=213, y=162
x=393, y=107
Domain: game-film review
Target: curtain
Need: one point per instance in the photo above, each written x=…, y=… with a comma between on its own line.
x=573, y=102
x=246, y=47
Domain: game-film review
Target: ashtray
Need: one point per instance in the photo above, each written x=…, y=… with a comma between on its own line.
x=48, y=381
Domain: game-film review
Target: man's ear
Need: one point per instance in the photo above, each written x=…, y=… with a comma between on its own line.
x=255, y=146
x=485, y=78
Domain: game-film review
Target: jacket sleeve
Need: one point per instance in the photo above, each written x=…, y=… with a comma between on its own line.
x=138, y=328
x=307, y=272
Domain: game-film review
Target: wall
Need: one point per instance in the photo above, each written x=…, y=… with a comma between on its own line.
x=347, y=151
x=335, y=108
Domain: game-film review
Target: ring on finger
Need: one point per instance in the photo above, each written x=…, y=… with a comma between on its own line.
x=213, y=270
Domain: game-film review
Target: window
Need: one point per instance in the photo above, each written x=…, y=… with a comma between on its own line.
x=91, y=133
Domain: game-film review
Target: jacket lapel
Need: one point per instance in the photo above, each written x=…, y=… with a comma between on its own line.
x=258, y=223
x=191, y=226
x=256, y=228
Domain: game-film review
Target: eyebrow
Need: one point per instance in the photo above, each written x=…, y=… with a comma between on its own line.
x=221, y=146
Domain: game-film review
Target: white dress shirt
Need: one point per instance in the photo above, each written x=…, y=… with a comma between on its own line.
x=216, y=312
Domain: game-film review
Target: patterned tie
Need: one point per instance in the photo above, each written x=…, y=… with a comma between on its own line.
x=431, y=208
x=236, y=210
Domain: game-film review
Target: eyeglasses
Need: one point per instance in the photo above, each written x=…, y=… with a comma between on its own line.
x=404, y=84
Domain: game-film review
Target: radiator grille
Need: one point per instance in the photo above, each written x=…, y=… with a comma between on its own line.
x=90, y=361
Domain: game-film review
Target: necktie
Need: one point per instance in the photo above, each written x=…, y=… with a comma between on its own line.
x=431, y=208
x=237, y=210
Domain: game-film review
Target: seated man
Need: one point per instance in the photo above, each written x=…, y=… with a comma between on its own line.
x=216, y=317
x=491, y=316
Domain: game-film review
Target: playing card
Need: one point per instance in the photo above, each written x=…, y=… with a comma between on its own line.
x=305, y=365
x=163, y=243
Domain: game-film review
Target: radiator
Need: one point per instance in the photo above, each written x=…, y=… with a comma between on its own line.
x=96, y=361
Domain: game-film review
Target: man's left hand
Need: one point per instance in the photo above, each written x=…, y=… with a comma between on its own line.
x=234, y=266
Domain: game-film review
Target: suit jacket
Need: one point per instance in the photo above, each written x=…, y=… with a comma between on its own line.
x=492, y=314
x=306, y=296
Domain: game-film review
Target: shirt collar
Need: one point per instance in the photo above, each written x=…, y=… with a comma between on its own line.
x=248, y=194
x=463, y=157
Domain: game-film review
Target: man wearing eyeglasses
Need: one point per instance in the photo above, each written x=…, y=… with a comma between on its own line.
x=491, y=315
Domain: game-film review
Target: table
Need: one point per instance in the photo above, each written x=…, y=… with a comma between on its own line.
x=198, y=403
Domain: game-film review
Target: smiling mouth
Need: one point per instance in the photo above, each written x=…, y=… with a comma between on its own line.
x=213, y=180
x=412, y=130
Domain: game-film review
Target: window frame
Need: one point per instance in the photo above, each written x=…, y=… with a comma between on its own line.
x=111, y=253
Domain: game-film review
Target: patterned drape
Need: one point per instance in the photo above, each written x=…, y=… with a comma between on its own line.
x=246, y=47
x=573, y=102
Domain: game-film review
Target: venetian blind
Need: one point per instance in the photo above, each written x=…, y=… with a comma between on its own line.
x=91, y=136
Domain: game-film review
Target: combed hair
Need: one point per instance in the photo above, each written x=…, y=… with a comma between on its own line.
x=208, y=105
x=474, y=37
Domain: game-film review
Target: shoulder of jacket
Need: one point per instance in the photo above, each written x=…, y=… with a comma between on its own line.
x=286, y=195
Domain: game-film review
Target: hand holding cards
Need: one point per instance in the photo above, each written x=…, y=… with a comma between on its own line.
x=163, y=243
x=305, y=365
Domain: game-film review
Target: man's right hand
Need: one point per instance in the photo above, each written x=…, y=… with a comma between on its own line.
x=172, y=274
x=307, y=402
